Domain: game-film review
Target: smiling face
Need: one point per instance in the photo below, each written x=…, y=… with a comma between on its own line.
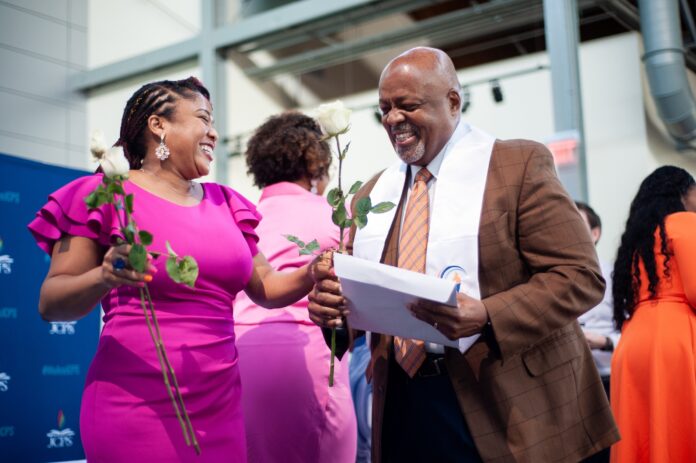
x=419, y=102
x=191, y=137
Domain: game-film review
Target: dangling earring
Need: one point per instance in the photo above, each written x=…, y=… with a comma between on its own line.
x=162, y=151
x=313, y=184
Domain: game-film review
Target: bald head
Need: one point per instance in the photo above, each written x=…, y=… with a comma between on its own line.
x=420, y=101
x=422, y=61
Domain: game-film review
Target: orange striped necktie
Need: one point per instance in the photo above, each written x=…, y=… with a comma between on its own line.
x=413, y=244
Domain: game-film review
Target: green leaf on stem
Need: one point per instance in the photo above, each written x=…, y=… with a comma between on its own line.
x=98, y=197
x=183, y=270
x=129, y=203
x=91, y=200
x=115, y=188
x=170, y=250
x=383, y=207
x=145, y=237
x=312, y=246
x=172, y=268
x=334, y=197
x=363, y=206
x=105, y=197
x=339, y=215
x=360, y=220
x=296, y=240
x=138, y=257
x=356, y=186
x=129, y=233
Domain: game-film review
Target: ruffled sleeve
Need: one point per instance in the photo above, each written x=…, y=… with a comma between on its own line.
x=66, y=213
x=246, y=216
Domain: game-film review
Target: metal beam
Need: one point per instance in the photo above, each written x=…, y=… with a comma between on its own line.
x=562, y=43
x=455, y=26
x=335, y=23
x=213, y=74
x=274, y=21
x=279, y=20
x=141, y=64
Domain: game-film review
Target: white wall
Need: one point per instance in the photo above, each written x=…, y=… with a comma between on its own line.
x=125, y=28
x=41, y=45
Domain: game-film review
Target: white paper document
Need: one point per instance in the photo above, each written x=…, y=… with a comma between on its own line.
x=378, y=298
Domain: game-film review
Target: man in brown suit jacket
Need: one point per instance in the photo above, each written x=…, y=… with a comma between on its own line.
x=527, y=390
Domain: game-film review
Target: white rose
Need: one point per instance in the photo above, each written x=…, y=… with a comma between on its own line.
x=97, y=145
x=114, y=162
x=334, y=118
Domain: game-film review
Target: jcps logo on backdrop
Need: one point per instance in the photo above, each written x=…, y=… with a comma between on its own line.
x=9, y=197
x=5, y=262
x=60, y=438
x=4, y=381
x=8, y=312
x=62, y=328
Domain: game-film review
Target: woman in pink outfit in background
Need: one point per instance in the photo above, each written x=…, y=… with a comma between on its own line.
x=168, y=137
x=291, y=413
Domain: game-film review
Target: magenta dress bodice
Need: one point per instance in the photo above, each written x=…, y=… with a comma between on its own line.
x=126, y=412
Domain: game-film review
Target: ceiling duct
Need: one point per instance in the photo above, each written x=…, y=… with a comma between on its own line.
x=666, y=70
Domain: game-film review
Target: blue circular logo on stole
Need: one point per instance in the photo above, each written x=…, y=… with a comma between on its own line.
x=454, y=273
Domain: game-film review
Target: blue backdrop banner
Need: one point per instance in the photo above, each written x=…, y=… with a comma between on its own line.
x=42, y=365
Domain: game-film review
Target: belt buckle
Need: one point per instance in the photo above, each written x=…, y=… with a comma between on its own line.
x=438, y=367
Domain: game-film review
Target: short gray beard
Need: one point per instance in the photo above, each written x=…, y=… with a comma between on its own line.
x=411, y=155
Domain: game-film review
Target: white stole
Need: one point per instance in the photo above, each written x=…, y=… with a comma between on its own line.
x=455, y=211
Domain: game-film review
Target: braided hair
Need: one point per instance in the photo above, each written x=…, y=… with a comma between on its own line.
x=659, y=195
x=156, y=98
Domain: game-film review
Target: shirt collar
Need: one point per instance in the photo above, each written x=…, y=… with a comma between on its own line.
x=434, y=166
x=283, y=189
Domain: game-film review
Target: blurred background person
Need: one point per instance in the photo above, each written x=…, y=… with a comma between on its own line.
x=291, y=413
x=598, y=323
x=361, y=390
x=168, y=138
x=653, y=387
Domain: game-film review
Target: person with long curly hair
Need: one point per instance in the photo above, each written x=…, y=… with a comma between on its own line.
x=653, y=386
x=291, y=414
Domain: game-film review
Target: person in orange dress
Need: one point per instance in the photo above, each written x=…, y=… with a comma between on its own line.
x=653, y=385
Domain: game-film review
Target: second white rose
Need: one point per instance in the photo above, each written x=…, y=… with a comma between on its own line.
x=334, y=118
x=114, y=162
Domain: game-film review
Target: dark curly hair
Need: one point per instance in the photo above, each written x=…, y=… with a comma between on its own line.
x=659, y=195
x=158, y=98
x=286, y=148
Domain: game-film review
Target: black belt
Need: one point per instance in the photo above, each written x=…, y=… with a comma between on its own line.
x=434, y=365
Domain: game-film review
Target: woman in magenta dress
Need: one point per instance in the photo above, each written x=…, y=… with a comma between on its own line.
x=126, y=413
x=291, y=413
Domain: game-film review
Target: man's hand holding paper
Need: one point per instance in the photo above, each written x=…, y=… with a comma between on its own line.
x=467, y=319
x=381, y=297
